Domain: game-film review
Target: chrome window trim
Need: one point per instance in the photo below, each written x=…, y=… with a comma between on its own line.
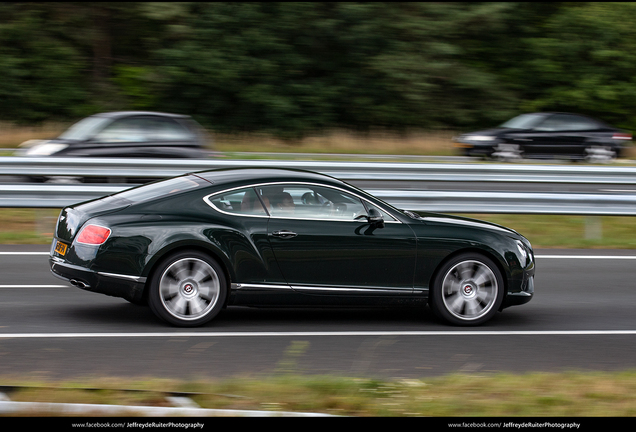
x=207, y=200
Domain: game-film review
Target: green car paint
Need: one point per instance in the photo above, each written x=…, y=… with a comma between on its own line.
x=337, y=246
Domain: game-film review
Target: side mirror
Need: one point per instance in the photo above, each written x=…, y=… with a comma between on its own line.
x=374, y=218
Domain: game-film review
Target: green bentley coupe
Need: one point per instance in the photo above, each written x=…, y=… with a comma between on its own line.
x=191, y=245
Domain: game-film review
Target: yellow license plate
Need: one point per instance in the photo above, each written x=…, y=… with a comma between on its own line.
x=60, y=248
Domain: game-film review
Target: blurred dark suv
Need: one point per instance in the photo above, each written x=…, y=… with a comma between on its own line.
x=547, y=136
x=125, y=134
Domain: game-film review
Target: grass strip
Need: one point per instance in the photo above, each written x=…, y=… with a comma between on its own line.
x=566, y=394
x=36, y=226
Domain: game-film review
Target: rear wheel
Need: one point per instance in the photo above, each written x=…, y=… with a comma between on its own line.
x=467, y=290
x=187, y=289
x=599, y=154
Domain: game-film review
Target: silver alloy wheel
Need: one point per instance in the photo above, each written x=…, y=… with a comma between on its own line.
x=189, y=289
x=469, y=290
x=508, y=152
x=600, y=154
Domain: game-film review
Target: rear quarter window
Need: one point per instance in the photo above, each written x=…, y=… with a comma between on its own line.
x=161, y=188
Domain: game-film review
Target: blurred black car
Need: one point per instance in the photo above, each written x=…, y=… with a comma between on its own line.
x=125, y=134
x=547, y=136
x=129, y=134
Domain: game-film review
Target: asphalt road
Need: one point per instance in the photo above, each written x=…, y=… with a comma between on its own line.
x=582, y=318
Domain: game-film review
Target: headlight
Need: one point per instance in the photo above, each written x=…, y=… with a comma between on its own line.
x=479, y=138
x=45, y=149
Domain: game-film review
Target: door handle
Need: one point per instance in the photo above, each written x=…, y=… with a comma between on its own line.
x=284, y=234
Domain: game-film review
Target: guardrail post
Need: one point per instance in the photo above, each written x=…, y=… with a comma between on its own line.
x=44, y=222
x=593, y=228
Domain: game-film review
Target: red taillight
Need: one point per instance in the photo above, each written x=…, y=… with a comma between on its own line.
x=622, y=136
x=93, y=235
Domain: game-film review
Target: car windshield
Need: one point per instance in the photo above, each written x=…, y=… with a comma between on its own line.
x=84, y=129
x=523, y=121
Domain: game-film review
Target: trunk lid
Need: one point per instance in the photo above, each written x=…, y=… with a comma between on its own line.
x=73, y=217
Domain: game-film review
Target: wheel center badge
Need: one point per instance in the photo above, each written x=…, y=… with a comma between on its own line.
x=188, y=289
x=468, y=289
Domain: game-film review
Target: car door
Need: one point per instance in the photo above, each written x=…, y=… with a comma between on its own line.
x=324, y=244
x=538, y=141
x=575, y=133
x=560, y=135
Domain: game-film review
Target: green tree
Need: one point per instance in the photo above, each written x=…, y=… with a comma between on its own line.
x=292, y=68
x=42, y=73
x=295, y=68
x=584, y=61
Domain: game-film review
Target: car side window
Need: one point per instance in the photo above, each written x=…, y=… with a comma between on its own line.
x=122, y=130
x=165, y=129
x=312, y=202
x=566, y=122
x=577, y=123
x=240, y=201
x=143, y=129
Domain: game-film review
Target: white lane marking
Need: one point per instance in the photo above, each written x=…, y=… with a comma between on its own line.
x=627, y=257
x=24, y=253
x=601, y=257
x=614, y=257
x=34, y=286
x=308, y=334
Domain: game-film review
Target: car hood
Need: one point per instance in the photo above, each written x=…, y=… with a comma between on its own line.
x=464, y=221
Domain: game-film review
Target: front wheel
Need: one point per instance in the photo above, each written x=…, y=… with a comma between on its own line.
x=187, y=289
x=468, y=290
x=506, y=152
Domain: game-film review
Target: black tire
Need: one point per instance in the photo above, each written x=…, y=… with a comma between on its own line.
x=467, y=290
x=187, y=289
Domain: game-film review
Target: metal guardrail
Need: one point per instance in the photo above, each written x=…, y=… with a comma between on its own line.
x=384, y=173
x=58, y=196
x=460, y=172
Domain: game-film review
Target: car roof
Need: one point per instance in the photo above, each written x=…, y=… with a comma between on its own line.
x=549, y=113
x=114, y=114
x=264, y=175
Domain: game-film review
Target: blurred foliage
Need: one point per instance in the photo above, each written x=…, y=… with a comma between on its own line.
x=292, y=69
x=577, y=395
